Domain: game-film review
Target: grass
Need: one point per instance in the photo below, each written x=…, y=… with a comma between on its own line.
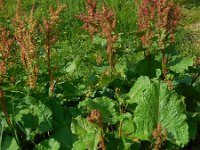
x=188, y=37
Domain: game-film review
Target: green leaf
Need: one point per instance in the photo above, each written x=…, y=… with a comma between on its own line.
x=141, y=85
x=148, y=67
x=59, y=117
x=105, y=105
x=9, y=143
x=64, y=137
x=158, y=105
x=180, y=65
x=106, y=80
x=121, y=68
x=88, y=135
x=193, y=127
x=34, y=115
x=72, y=67
x=99, y=41
x=79, y=145
x=50, y=144
x=128, y=128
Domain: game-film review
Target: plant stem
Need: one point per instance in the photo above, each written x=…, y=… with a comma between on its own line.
x=110, y=59
x=48, y=53
x=3, y=106
x=148, y=57
x=164, y=63
x=102, y=141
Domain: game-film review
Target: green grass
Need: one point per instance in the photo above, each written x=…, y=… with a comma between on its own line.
x=188, y=37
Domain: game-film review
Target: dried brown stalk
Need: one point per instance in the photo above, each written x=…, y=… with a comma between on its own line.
x=49, y=30
x=25, y=32
x=102, y=22
x=95, y=117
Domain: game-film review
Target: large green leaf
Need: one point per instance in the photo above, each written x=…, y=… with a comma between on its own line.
x=50, y=144
x=88, y=135
x=9, y=143
x=64, y=137
x=180, y=65
x=61, y=139
x=158, y=105
x=105, y=105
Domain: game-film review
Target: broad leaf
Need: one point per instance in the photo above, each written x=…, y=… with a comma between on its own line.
x=180, y=65
x=88, y=135
x=158, y=105
x=50, y=144
x=64, y=137
x=148, y=66
x=105, y=105
x=9, y=143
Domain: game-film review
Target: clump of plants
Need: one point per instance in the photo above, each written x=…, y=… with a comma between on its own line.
x=6, y=44
x=25, y=33
x=101, y=22
x=49, y=30
x=83, y=105
x=158, y=20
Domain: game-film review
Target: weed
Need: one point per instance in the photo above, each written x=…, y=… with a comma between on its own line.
x=48, y=28
x=102, y=22
x=158, y=19
x=25, y=33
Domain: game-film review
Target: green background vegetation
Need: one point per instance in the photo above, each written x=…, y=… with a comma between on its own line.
x=128, y=100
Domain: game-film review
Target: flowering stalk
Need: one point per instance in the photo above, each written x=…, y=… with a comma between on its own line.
x=158, y=19
x=3, y=106
x=159, y=136
x=103, y=23
x=6, y=43
x=50, y=37
x=25, y=31
x=95, y=117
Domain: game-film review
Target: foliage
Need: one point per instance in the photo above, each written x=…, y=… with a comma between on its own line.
x=62, y=88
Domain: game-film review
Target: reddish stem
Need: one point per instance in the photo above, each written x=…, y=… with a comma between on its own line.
x=48, y=53
x=3, y=106
x=102, y=141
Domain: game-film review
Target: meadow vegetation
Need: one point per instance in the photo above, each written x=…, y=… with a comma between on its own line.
x=94, y=74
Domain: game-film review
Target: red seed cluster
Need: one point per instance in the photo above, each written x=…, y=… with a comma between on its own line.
x=101, y=21
x=6, y=42
x=158, y=18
